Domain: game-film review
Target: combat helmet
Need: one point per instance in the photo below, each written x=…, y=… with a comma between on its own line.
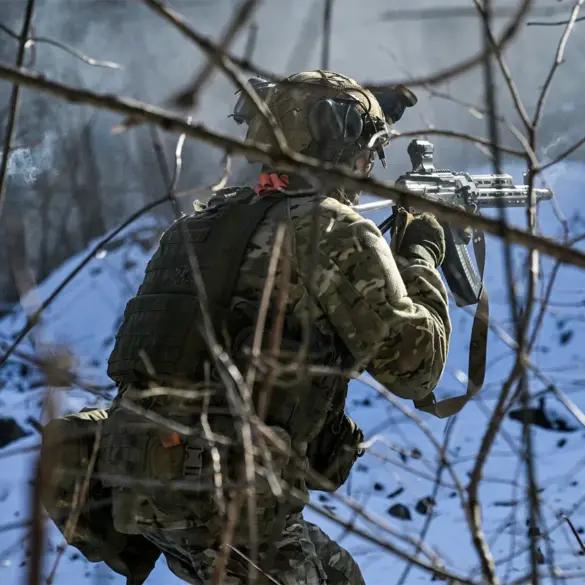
x=325, y=114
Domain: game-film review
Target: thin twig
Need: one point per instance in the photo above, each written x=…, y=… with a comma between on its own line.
x=553, y=22
x=434, y=495
x=460, y=136
x=14, y=100
x=219, y=184
x=37, y=532
x=33, y=319
x=533, y=497
x=458, y=12
x=224, y=62
x=562, y=156
x=189, y=97
x=509, y=33
x=575, y=533
x=37, y=528
x=31, y=41
x=557, y=62
x=389, y=547
x=278, y=323
x=505, y=71
x=267, y=289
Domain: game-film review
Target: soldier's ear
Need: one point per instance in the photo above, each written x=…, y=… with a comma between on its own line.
x=394, y=100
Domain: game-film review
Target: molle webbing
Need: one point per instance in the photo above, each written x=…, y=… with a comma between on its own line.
x=161, y=329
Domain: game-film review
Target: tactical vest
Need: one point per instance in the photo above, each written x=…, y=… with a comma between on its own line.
x=162, y=324
x=161, y=329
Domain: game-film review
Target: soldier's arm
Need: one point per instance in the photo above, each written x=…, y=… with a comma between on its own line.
x=395, y=322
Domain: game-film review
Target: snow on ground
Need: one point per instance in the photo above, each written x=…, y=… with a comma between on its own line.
x=396, y=478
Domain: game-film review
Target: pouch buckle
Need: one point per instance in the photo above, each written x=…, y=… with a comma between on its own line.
x=193, y=462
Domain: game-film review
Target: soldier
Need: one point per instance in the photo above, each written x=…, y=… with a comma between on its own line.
x=173, y=456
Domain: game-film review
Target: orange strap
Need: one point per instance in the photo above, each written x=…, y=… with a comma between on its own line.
x=269, y=182
x=171, y=440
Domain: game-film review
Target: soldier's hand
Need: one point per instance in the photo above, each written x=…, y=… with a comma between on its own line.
x=418, y=236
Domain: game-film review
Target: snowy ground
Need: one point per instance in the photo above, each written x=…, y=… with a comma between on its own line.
x=401, y=467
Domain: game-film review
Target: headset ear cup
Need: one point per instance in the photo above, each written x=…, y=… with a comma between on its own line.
x=324, y=121
x=354, y=123
x=333, y=121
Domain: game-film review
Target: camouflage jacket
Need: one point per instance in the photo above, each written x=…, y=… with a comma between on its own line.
x=373, y=311
x=391, y=315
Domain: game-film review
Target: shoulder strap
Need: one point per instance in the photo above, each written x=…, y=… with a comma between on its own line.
x=477, y=349
x=237, y=227
x=220, y=257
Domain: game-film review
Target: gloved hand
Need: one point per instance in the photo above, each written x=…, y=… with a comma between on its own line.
x=419, y=237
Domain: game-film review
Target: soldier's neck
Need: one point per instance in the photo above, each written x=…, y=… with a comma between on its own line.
x=301, y=186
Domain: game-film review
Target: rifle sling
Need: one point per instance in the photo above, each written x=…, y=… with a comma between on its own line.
x=477, y=349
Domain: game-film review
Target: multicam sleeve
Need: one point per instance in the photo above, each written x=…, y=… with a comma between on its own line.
x=394, y=321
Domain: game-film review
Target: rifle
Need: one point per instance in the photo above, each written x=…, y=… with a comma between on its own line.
x=472, y=193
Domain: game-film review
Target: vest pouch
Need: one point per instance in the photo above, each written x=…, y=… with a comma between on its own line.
x=178, y=488
x=334, y=451
x=66, y=450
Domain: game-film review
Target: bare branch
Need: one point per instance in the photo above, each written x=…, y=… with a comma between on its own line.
x=448, y=73
x=557, y=62
x=450, y=12
x=505, y=70
x=575, y=534
x=63, y=46
x=460, y=136
x=14, y=99
x=509, y=33
x=222, y=60
x=388, y=546
x=553, y=23
x=291, y=161
x=37, y=532
x=79, y=501
x=189, y=97
x=562, y=156
x=33, y=319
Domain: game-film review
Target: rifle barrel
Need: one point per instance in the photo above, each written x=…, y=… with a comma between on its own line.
x=515, y=197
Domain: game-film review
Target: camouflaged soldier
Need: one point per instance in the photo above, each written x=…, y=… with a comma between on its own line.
x=340, y=300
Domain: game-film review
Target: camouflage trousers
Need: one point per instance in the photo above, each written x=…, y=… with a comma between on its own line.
x=303, y=555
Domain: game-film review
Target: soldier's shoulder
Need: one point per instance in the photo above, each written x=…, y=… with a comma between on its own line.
x=329, y=210
x=233, y=191
x=219, y=197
